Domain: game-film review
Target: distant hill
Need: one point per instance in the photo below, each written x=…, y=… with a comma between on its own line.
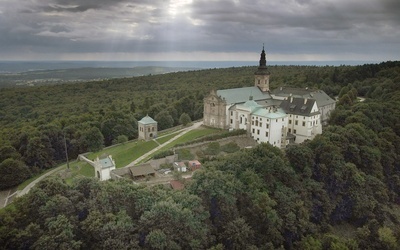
x=60, y=76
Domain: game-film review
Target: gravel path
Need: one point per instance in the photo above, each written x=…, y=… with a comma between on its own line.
x=33, y=183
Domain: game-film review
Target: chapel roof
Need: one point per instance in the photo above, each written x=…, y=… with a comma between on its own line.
x=147, y=120
x=106, y=162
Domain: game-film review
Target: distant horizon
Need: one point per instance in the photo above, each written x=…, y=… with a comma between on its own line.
x=25, y=66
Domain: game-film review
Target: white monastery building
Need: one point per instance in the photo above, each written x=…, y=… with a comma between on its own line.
x=278, y=117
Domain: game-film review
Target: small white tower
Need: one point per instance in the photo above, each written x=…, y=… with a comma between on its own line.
x=103, y=167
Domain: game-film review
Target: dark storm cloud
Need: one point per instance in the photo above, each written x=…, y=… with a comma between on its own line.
x=286, y=26
x=82, y=5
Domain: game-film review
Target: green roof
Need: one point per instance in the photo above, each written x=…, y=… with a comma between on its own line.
x=249, y=105
x=147, y=120
x=279, y=113
x=241, y=95
x=106, y=162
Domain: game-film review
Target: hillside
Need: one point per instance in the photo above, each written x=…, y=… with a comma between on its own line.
x=339, y=191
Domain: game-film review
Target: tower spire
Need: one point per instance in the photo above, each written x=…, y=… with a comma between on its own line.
x=262, y=74
x=263, y=60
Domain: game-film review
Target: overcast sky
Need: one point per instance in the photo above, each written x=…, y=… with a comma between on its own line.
x=137, y=30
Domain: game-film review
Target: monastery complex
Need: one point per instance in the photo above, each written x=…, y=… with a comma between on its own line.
x=279, y=117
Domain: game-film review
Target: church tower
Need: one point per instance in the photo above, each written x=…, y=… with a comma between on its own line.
x=262, y=74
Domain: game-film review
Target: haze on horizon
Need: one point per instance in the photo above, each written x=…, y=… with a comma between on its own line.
x=190, y=30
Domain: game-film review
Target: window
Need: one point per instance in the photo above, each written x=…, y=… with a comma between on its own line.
x=253, y=130
x=231, y=113
x=257, y=123
x=282, y=119
x=290, y=130
x=252, y=122
x=267, y=126
x=296, y=122
x=294, y=131
x=304, y=124
x=297, y=116
x=258, y=131
x=290, y=121
x=231, y=121
x=266, y=134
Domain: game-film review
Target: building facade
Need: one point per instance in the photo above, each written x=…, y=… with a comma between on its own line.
x=278, y=117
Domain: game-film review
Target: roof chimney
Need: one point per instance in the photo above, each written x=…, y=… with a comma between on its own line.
x=291, y=99
x=305, y=101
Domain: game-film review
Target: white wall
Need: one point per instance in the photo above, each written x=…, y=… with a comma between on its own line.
x=271, y=130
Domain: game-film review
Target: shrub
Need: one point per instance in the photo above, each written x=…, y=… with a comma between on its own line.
x=184, y=154
x=213, y=148
x=230, y=147
x=163, y=154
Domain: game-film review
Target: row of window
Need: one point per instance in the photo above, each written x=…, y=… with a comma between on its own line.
x=296, y=122
x=313, y=117
x=148, y=129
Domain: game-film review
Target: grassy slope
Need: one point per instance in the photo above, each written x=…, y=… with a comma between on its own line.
x=124, y=154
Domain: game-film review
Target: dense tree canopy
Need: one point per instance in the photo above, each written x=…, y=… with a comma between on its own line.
x=338, y=191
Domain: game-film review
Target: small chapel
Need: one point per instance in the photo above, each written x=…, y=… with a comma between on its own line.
x=147, y=127
x=279, y=117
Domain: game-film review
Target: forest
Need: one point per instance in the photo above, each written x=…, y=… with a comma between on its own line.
x=60, y=76
x=338, y=191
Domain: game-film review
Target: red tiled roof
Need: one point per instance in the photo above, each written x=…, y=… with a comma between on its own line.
x=194, y=162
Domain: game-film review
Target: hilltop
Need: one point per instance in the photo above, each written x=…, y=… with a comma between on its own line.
x=340, y=190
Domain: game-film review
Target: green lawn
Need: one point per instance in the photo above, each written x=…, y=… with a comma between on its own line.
x=166, y=138
x=189, y=136
x=125, y=153
x=79, y=168
x=194, y=134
